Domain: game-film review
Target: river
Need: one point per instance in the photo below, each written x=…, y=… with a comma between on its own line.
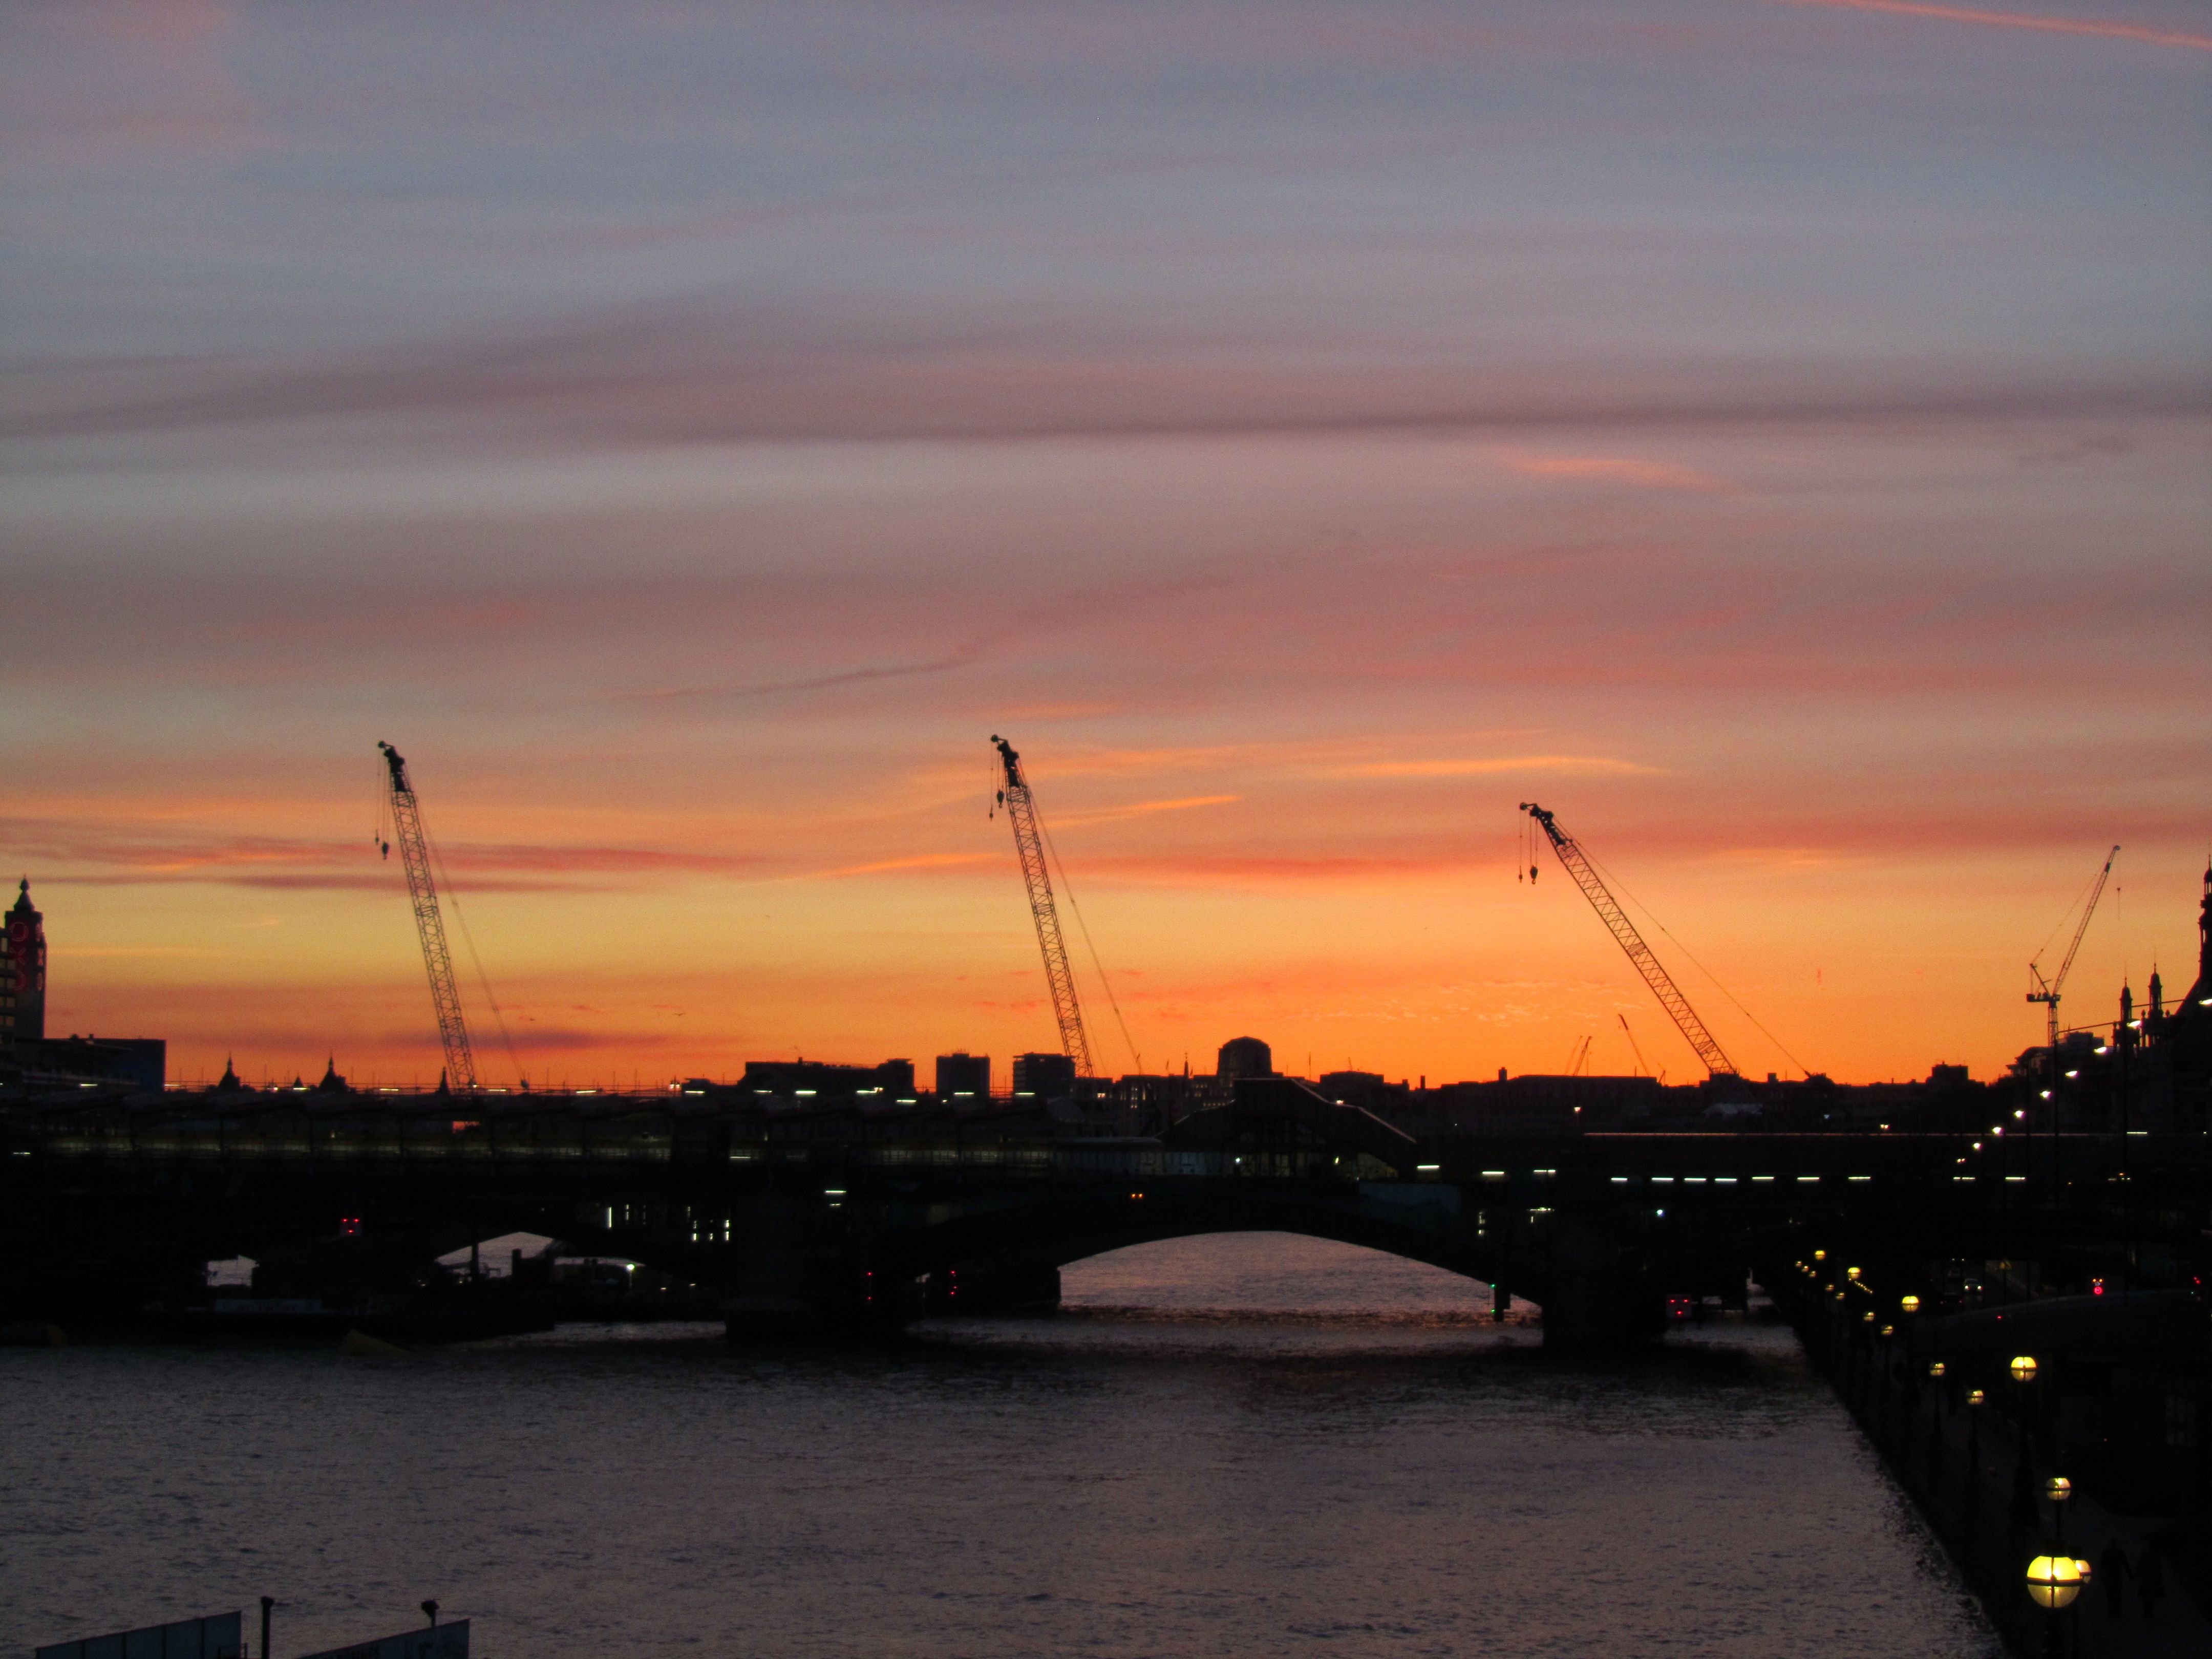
x=1246, y=1445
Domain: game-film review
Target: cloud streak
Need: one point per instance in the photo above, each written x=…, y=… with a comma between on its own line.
x=1649, y=475
x=2142, y=32
x=1143, y=809
x=90, y=855
x=1575, y=765
x=691, y=372
x=965, y=657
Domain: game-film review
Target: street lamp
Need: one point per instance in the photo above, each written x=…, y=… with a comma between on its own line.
x=2053, y=1581
x=1935, y=1368
x=1975, y=1396
x=1909, y=1303
x=1852, y=1274
x=1888, y=1330
x=2023, y=1368
x=2058, y=1489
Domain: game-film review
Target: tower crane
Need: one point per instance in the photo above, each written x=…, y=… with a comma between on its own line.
x=1624, y=931
x=415, y=855
x=1029, y=843
x=2047, y=990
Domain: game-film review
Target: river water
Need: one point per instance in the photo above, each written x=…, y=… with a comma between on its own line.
x=1230, y=1446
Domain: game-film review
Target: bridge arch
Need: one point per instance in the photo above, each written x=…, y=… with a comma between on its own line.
x=1004, y=1254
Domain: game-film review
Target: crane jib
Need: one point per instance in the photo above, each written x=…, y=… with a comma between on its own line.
x=429, y=925
x=1029, y=846
x=1577, y=865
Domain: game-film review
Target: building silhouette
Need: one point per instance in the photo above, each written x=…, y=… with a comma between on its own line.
x=963, y=1074
x=23, y=972
x=1245, y=1057
x=1048, y=1077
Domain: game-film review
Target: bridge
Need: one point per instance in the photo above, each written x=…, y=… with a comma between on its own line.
x=848, y=1217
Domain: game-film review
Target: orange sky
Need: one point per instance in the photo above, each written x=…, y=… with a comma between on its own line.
x=1772, y=436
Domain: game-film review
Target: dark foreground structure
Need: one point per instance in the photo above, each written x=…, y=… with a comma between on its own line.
x=112, y=1200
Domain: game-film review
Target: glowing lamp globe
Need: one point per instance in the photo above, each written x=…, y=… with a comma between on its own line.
x=2023, y=1368
x=1851, y=1273
x=2058, y=1489
x=1867, y=1318
x=1909, y=1303
x=2053, y=1581
x=1935, y=1368
x=1820, y=1256
x=1889, y=1330
x=1975, y=1396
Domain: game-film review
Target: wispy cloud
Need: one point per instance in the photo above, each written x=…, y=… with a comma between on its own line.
x=1584, y=765
x=946, y=861
x=98, y=855
x=131, y=951
x=1145, y=809
x=2143, y=33
x=966, y=656
x=1348, y=869
x=712, y=369
x=1649, y=475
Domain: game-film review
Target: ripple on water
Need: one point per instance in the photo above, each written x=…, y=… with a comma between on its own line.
x=1257, y=1444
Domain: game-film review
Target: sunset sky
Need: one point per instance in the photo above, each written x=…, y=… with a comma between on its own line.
x=1772, y=433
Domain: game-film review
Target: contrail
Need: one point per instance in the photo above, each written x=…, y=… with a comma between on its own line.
x=961, y=659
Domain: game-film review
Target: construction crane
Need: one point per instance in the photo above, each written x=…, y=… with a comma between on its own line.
x=1624, y=931
x=2047, y=990
x=1636, y=1049
x=415, y=855
x=1029, y=843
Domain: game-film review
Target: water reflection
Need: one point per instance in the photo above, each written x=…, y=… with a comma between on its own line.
x=1226, y=1446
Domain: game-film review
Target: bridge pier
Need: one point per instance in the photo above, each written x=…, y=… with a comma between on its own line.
x=994, y=1287
x=1594, y=1296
